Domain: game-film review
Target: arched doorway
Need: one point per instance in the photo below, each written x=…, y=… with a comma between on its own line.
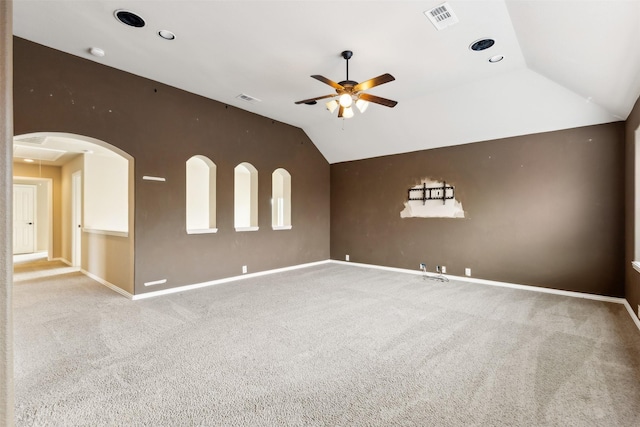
x=92, y=199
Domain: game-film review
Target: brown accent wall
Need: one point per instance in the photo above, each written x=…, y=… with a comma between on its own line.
x=162, y=127
x=544, y=210
x=55, y=174
x=632, y=277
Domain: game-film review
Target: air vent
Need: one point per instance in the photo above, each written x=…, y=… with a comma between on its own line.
x=248, y=98
x=39, y=140
x=442, y=16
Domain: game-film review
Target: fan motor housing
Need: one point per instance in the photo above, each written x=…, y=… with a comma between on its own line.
x=347, y=84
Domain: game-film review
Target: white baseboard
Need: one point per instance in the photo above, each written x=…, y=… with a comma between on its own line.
x=62, y=260
x=225, y=280
x=184, y=288
x=572, y=294
x=107, y=284
x=632, y=314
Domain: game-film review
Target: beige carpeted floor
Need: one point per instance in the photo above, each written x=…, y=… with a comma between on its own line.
x=331, y=345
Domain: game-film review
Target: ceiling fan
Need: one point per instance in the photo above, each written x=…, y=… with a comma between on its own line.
x=349, y=91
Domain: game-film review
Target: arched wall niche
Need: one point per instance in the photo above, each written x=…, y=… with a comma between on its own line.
x=201, y=195
x=245, y=197
x=281, y=199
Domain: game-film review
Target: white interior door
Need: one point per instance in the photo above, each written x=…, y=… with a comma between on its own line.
x=76, y=219
x=24, y=208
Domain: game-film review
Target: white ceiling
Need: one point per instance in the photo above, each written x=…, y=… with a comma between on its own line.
x=567, y=63
x=56, y=149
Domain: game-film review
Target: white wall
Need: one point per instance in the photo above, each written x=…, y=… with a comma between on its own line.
x=242, y=197
x=106, y=193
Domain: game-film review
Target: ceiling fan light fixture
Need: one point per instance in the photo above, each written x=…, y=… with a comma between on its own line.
x=362, y=105
x=346, y=100
x=332, y=105
x=349, y=91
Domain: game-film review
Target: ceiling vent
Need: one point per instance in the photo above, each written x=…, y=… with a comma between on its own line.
x=442, y=16
x=39, y=140
x=248, y=98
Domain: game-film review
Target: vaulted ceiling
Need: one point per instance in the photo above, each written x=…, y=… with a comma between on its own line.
x=566, y=63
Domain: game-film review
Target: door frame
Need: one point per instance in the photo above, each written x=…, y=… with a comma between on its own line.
x=48, y=182
x=76, y=218
x=33, y=214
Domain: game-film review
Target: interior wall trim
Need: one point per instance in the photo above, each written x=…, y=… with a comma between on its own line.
x=225, y=280
x=572, y=294
x=632, y=314
x=107, y=284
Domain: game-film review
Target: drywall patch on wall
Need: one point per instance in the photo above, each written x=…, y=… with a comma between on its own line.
x=441, y=204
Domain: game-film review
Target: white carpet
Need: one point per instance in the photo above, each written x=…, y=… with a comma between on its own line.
x=331, y=345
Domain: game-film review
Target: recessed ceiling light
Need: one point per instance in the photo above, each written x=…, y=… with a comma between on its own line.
x=167, y=35
x=129, y=18
x=482, y=44
x=28, y=160
x=96, y=51
x=496, y=58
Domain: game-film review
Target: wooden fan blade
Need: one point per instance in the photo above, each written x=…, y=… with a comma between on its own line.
x=376, y=81
x=304, y=101
x=376, y=99
x=329, y=82
x=340, y=111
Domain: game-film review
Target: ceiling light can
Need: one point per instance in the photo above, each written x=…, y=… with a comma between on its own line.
x=481, y=44
x=167, y=35
x=129, y=18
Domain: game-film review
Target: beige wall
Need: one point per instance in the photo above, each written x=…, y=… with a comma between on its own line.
x=108, y=257
x=54, y=173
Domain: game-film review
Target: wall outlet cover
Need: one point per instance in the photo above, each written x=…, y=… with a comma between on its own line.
x=346, y=257
x=444, y=269
x=467, y=272
x=244, y=269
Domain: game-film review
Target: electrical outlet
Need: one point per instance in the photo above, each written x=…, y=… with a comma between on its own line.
x=244, y=269
x=467, y=272
x=437, y=269
x=346, y=257
x=423, y=266
x=444, y=269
